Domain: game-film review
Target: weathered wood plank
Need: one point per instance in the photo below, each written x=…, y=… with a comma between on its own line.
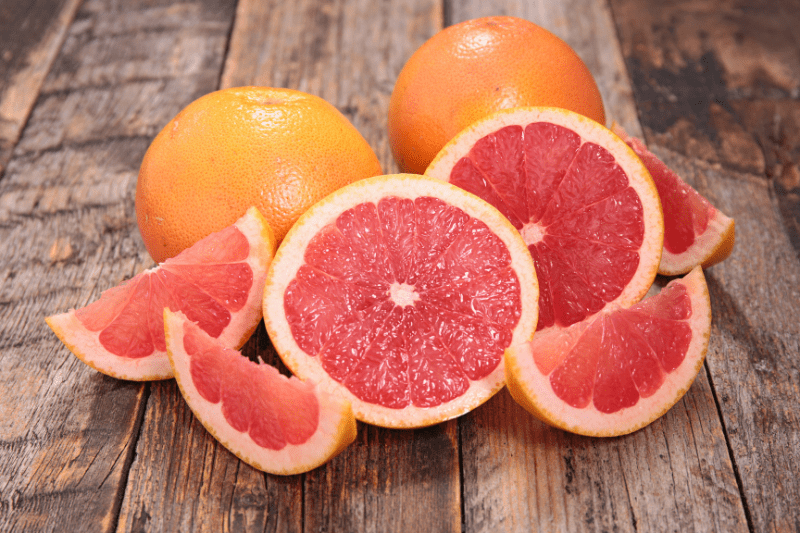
x=720, y=103
x=341, y=51
x=519, y=474
x=350, y=52
x=67, y=225
x=31, y=33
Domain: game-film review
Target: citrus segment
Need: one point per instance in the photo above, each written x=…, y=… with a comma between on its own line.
x=277, y=424
x=695, y=232
x=277, y=149
x=217, y=283
x=472, y=69
x=620, y=370
x=401, y=294
x=581, y=199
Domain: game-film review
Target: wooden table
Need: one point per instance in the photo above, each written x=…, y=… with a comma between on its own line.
x=714, y=88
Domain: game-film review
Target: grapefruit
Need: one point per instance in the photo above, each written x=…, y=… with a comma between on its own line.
x=277, y=149
x=472, y=69
x=401, y=293
x=581, y=199
x=277, y=424
x=617, y=371
x=695, y=232
x=217, y=283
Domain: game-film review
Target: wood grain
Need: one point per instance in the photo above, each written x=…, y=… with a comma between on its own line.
x=718, y=92
x=318, y=48
x=562, y=482
x=712, y=86
x=33, y=34
x=66, y=221
x=350, y=54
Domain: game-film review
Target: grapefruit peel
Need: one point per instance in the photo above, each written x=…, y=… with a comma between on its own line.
x=532, y=389
x=290, y=256
x=335, y=426
x=85, y=344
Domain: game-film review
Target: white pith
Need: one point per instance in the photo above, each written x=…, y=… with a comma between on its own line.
x=85, y=344
x=533, y=390
x=289, y=258
x=589, y=131
x=336, y=427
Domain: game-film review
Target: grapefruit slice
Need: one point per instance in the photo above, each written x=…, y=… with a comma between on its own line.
x=401, y=293
x=582, y=200
x=695, y=232
x=619, y=370
x=217, y=283
x=277, y=424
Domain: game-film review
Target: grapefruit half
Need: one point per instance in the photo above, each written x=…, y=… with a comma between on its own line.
x=218, y=283
x=277, y=424
x=579, y=196
x=401, y=293
x=619, y=370
x=695, y=232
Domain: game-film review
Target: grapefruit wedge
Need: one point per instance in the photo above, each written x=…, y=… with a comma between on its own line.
x=695, y=232
x=579, y=196
x=217, y=283
x=277, y=424
x=619, y=370
x=400, y=293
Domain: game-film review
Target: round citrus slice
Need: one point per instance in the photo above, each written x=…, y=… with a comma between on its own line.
x=582, y=200
x=401, y=293
x=277, y=424
x=619, y=370
x=217, y=283
x=695, y=232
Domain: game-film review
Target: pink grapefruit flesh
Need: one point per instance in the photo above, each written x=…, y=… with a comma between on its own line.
x=217, y=283
x=695, y=232
x=620, y=370
x=583, y=202
x=401, y=293
x=277, y=424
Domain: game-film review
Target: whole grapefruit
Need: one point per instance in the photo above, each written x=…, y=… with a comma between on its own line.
x=472, y=69
x=279, y=150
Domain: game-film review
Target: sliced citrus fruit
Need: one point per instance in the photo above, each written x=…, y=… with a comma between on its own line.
x=277, y=424
x=582, y=200
x=217, y=283
x=401, y=293
x=619, y=370
x=695, y=232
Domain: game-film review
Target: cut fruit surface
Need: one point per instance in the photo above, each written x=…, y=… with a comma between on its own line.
x=620, y=370
x=695, y=232
x=401, y=293
x=277, y=424
x=218, y=283
x=582, y=200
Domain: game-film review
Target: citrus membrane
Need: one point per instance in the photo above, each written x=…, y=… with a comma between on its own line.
x=277, y=424
x=217, y=283
x=401, y=293
x=582, y=200
x=695, y=232
x=619, y=370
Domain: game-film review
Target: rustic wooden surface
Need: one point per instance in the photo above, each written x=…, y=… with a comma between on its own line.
x=714, y=88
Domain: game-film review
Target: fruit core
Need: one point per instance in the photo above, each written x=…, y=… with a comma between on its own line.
x=405, y=301
x=402, y=294
x=574, y=206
